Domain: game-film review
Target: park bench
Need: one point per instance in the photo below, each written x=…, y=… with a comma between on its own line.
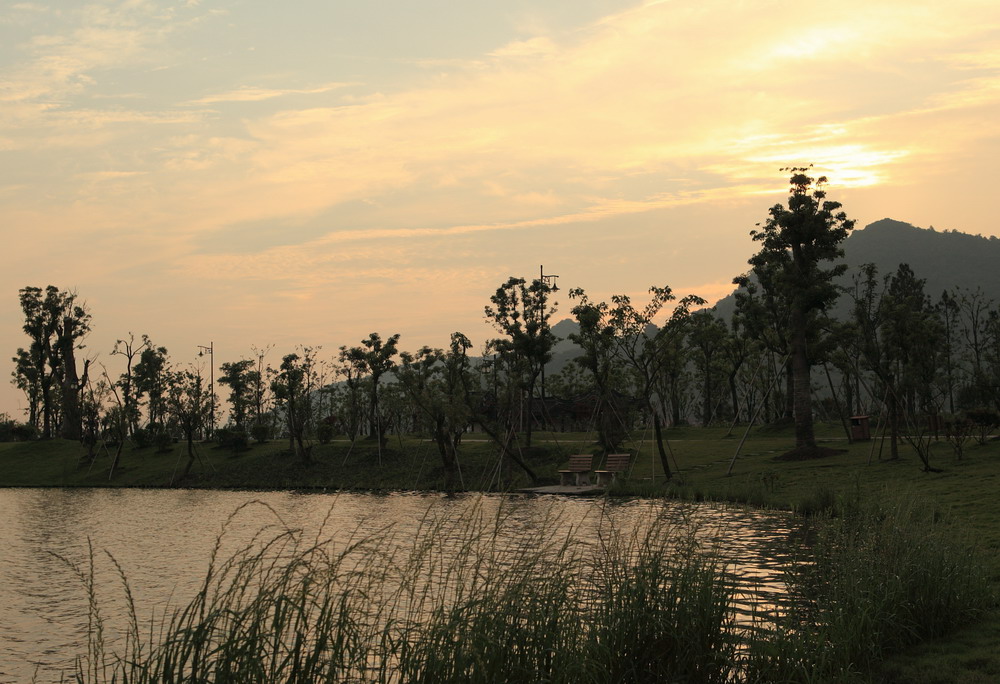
x=578, y=472
x=616, y=463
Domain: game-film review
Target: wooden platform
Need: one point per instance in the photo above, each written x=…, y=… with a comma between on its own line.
x=571, y=490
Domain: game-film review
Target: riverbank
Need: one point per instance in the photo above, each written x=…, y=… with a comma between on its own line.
x=966, y=491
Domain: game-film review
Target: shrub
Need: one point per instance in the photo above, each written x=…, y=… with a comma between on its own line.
x=231, y=438
x=260, y=433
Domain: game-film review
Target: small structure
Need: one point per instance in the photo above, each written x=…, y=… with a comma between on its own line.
x=859, y=429
x=578, y=472
x=616, y=463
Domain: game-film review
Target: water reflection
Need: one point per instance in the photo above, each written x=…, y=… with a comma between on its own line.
x=163, y=540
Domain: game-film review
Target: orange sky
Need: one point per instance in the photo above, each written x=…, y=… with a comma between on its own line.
x=251, y=175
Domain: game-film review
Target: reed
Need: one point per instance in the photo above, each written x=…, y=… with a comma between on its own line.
x=883, y=574
x=470, y=598
x=485, y=597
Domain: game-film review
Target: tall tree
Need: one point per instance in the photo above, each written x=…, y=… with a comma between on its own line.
x=243, y=380
x=521, y=311
x=797, y=243
x=374, y=358
x=55, y=322
x=439, y=384
x=151, y=378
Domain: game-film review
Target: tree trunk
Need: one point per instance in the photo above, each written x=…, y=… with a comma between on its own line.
x=789, y=410
x=72, y=420
x=804, y=437
x=658, y=433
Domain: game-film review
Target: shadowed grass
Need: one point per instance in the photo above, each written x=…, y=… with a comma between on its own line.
x=885, y=574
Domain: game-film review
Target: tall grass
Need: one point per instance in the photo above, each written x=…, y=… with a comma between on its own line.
x=470, y=598
x=883, y=574
x=481, y=597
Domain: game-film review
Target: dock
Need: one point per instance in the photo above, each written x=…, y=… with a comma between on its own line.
x=569, y=490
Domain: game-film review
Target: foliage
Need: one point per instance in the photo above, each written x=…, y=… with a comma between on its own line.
x=46, y=372
x=521, y=312
x=440, y=386
x=795, y=243
x=367, y=364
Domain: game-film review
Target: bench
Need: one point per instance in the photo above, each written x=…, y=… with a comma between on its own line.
x=616, y=463
x=578, y=472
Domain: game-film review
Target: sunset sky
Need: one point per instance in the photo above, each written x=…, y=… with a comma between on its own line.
x=258, y=173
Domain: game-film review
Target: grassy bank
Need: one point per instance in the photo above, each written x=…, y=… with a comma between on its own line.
x=965, y=493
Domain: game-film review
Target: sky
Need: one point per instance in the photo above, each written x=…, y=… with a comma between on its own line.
x=251, y=174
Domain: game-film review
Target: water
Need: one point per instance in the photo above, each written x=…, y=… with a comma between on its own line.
x=163, y=539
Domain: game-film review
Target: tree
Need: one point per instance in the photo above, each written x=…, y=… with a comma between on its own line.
x=130, y=396
x=796, y=243
x=707, y=337
x=293, y=386
x=598, y=345
x=373, y=358
x=243, y=380
x=901, y=340
x=440, y=384
x=46, y=371
x=521, y=312
x=151, y=378
x=189, y=406
x=645, y=350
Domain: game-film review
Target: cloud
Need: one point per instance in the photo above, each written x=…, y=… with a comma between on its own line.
x=252, y=94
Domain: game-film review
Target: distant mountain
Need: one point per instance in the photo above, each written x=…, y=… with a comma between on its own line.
x=946, y=260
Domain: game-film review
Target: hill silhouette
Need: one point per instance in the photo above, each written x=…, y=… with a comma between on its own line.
x=946, y=260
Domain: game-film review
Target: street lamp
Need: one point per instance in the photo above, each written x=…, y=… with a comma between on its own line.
x=549, y=282
x=211, y=383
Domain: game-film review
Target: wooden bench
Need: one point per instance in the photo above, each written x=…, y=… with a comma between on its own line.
x=616, y=463
x=578, y=472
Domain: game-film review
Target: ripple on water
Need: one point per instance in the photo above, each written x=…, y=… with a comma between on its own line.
x=163, y=540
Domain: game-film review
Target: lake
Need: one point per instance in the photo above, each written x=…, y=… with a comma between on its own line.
x=163, y=539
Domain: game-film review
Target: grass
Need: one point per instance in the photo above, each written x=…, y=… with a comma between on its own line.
x=466, y=600
x=965, y=494
x=472, y=598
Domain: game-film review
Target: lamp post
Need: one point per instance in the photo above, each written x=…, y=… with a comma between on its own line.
x=211, y=383
x=549, y=282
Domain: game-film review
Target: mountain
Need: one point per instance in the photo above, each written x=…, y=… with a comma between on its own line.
x=946, y=260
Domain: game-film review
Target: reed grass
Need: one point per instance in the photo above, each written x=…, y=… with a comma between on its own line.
x=470, y=598
x=485, y=597
x=884, y=573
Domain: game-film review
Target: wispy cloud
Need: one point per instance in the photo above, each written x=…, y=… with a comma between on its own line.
x=252, y=94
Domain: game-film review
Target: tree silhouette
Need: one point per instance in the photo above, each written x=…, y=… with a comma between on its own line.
x=797, y=241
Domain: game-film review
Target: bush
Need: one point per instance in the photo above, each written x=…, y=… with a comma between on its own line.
x=325, y=432
x=260, y=433
x=12, y=431
x=163, y=440
x=142, y=438
x=231, y=438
